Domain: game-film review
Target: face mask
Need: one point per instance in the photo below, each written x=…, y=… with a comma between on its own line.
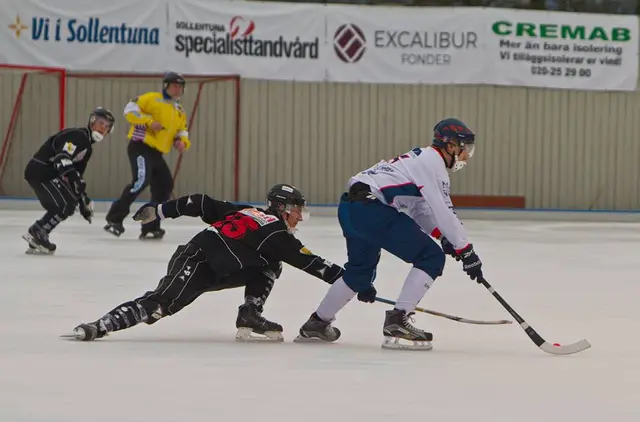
x=458, y=164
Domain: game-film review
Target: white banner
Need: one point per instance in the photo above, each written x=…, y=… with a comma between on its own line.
x=256, y=40
x=406, y=45
x=308, y=42
x=562, y=50
x=115, y=35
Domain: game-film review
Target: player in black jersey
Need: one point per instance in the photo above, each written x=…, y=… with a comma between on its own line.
x=55, y=174
x=243, y=246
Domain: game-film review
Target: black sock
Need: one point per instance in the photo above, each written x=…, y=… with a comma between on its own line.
x=124, y=316
x=259, y=287
x=49, y=221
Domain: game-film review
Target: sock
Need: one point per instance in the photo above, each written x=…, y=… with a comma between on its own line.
x=49, y=221
x=336, y=298
x=125, y=316
x=259, y=287
x=415, y=287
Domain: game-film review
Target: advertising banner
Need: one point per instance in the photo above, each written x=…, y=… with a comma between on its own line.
x=117, y=35
x=406, y=45
x=482, y=46
x=279, y=41
x=310, y=42
x=562, y=50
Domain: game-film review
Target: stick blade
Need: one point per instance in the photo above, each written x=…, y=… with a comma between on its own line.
x=568, y=349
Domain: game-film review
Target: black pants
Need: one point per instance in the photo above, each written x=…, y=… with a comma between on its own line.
x=188, y=276
x=148, y=168
x=57, y=197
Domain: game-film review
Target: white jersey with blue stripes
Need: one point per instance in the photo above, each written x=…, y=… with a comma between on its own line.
x=418, y=183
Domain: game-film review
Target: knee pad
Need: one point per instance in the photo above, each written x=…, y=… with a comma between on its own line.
x=431, y=261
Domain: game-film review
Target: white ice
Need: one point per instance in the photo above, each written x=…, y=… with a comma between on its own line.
x=568, y=280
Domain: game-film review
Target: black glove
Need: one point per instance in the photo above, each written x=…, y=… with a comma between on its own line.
x=448, y=248
x=146, y=214
x=86, y=207
x=79, y=186
x=471, y=263
x=332, y=273
x=369, y=295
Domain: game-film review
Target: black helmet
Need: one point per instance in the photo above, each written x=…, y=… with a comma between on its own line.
x=282, y=196
x=173, y=78
x=105, y=114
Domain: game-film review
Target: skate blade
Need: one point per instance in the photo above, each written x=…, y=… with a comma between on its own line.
x=114, y=232
x=247, y=335
x=30, y=240
x=302, y=339
x=36, y=251
x=34, y=248
x=71, y=336
x=396, y=343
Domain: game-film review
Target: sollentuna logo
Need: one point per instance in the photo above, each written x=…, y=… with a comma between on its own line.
x=242, y=37
x=349, y=43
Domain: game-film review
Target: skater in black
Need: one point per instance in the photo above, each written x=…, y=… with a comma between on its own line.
x=55, y=173
x=243, y=246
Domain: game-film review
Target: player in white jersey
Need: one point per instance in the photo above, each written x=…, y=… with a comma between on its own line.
x=369, y=213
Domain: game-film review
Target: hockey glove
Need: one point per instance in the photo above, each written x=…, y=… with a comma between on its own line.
x=86, y=207
x=332, y=273
x=327, y=271
x=448, y=249
x=369, y=295
x=146, y=214
x=471, y=263
x=79, y=186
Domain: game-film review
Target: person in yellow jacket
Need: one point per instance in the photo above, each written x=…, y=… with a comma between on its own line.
x=158, y=122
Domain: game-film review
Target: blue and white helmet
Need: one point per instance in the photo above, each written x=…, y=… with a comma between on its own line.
x=451, y=130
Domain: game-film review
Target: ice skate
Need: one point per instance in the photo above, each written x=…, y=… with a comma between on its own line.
x=253, y=326
x=154, y=234
x=399, y=334
x=115, y=229
x=87, y=332
x=316, y=329
x=38, y=240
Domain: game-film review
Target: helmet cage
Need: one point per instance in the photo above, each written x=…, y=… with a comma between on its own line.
x=454, y=131
x=104, y=115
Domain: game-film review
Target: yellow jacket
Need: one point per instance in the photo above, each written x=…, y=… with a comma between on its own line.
x=141, y=111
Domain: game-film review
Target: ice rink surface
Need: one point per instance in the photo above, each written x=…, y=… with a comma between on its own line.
x=568, y=280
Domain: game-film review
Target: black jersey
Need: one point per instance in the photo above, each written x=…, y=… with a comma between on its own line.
x=64, y=154
x=242, y=236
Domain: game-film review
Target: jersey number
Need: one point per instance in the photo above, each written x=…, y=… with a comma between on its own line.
x=413, y=153
x=235, y=226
